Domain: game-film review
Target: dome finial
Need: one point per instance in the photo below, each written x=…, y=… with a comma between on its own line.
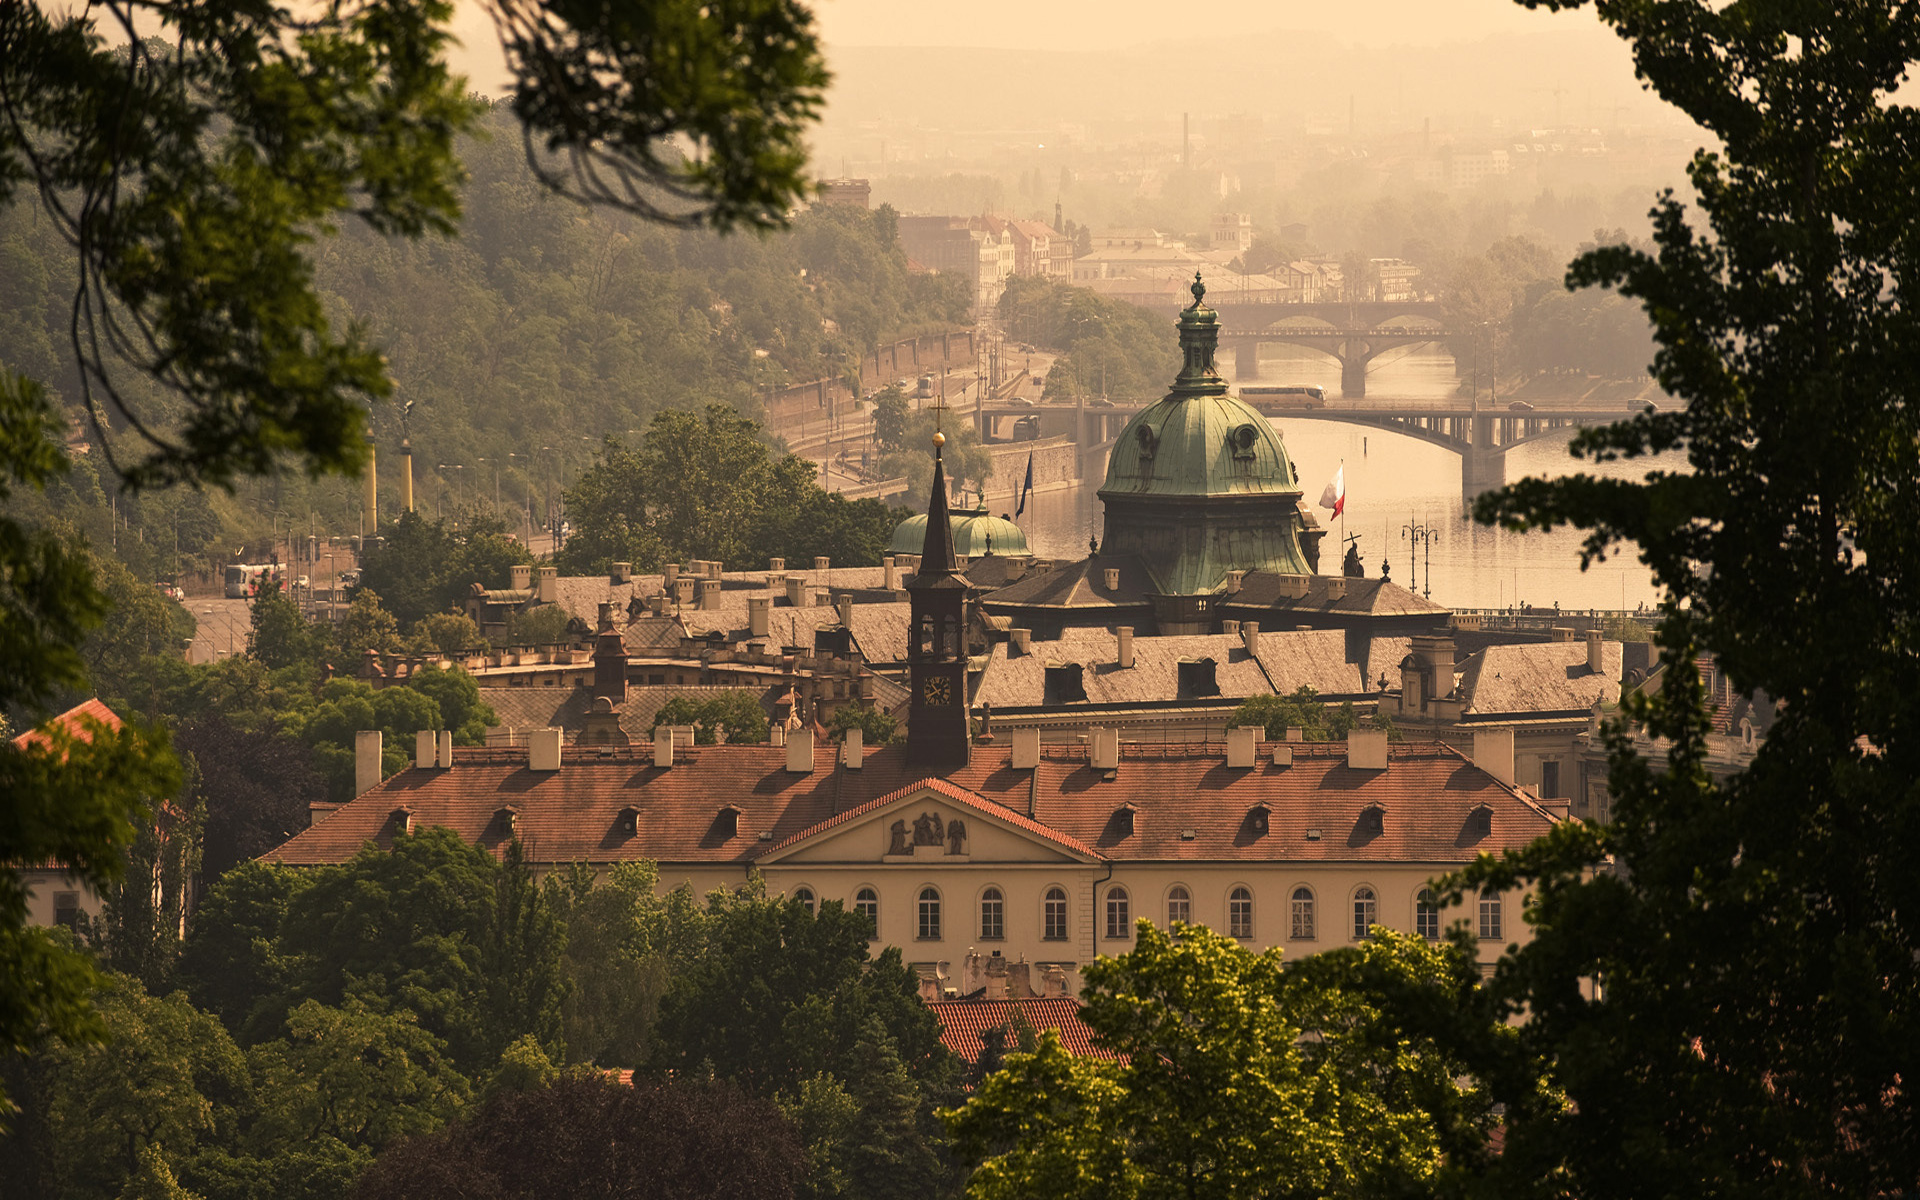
x=1198, y=289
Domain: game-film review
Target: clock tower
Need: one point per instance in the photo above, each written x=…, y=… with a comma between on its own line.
x=938, y=730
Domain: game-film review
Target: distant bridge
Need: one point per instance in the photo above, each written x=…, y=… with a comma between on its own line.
x=1353, y=333
x=1481, y=433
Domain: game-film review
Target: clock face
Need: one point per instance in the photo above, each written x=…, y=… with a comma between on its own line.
x=936, y=690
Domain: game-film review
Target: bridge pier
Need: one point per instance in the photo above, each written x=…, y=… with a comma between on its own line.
x=1246, y=360
x=1483, y=463
x=1353, y=376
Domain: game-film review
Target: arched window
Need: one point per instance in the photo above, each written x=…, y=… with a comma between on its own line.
x=929, y=928
x=1053, y=913
x=1179, y=904
x=993, y=915
x=1301, y=910
x=1119, y=914
x=1366, y=911
x=866, y=902
x=805, y=896
x=1490, y=914
x=1240, y=913
x=1426, y=915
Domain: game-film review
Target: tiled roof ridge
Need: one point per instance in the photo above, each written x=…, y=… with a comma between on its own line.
x=71, y=721
x=954, y=792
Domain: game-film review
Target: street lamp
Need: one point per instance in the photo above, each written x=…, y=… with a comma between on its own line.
x=1420, y=538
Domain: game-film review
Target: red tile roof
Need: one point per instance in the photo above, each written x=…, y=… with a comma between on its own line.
x=71, y=722
x=964, y=1022
x=573, y=814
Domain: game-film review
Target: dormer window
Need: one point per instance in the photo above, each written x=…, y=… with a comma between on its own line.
x=1480, y=822
x=403, y=819
x=1373, y=821
x=1198, y=677
x=1259, y=817
x=1066, y=683
x=507, y=820
x=628, y=822
x=1241, y=442
x=726, y=822
x=1122, y=820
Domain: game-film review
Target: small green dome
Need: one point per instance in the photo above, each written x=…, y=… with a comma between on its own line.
x=976, y=534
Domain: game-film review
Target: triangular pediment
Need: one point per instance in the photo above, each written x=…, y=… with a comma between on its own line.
x=930, y=822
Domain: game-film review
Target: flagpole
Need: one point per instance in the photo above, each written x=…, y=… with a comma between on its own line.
x=1343, y=512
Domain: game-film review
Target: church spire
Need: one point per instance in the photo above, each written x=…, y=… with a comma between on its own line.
x=936, y=555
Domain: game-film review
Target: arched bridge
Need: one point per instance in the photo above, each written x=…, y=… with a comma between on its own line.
x=1354, y=333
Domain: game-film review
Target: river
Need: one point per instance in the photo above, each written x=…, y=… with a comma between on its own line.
x=1395, y=481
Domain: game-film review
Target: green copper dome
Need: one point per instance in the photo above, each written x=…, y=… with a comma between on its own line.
x=1199, y=483
x=976, y=534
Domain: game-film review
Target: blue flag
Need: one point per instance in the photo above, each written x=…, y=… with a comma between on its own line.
x=1026, y=488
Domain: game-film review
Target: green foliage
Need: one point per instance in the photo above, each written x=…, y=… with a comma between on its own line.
x=1285, y=1083
x=1302, y=710
x=706, y=486
x=449, y=632
x=366, y=625
x=140, y=624
x=583, y=1135
x=1753, y=932
x=877, y=726
x=231, y=961
x=541, y=625
x=734, y=716
x=426, y=567
x=1106, y=347
x=967, y=460
x=281, y=636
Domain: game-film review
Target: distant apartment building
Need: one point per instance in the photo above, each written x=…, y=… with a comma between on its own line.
x=854, y=193
x=987, y=250
x=1459, y=171
x=1232, y=232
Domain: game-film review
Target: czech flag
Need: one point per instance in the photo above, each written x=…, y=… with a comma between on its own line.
x=1335, y=497
x=1026, y=487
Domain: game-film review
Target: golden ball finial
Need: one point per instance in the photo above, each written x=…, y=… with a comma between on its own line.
x=939, y=439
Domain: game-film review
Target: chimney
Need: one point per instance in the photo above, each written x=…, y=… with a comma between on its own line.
x=1596, y=652
x=683, y=591
x=1243, y=743
x=445, y=759
x=800, y=750
x=715, y=568
x=891, y=578
x=543, y=750
x=366, y=761
x=852, y=750
x=759, y=615
x=1019, y=642
x=1112, y=576
x=663, y=745
x=1125, y=636
x=1367, y=749
x=821, y=562
x=709, y=594
x=426, y=747
x=1336, y=587
x=843, y=604
x=1230, y=628
x=669, y=573
x=1026, y=749
x=796, y=592
x=776, y=566
x=1282, y=755
x=623, y=572
x=1105, y=749
x=1250, y=634
x=1493, y=753
x=549, y=579
x=1234, y=580
x=522, y=577
x=1562, y=633
x=1296, y=734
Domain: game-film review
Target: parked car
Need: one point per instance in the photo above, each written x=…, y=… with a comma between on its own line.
x=170, y=590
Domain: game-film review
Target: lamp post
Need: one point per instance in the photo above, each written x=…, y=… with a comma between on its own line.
x=1420, y=539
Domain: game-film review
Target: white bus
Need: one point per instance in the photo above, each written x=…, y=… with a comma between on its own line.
x=246, y=579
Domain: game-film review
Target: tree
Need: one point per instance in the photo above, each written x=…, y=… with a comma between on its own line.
x=425, y=567
x=198, y=334
x=280, y=634
x=586, y=1135
x=733, y=716
x=876, y=725
x=1284, y=1083
x=231, y=963
x=623, y=942
x=366, y=625
x=1302, y=710
x=1753, y=934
